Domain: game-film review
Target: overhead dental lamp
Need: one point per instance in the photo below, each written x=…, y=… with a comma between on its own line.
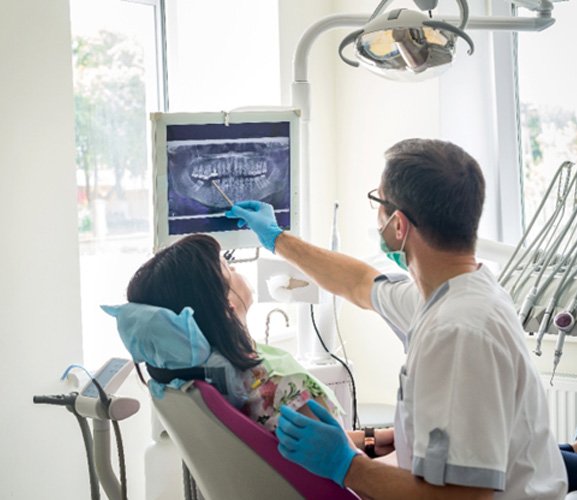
x=408, y=45
x=402, y=45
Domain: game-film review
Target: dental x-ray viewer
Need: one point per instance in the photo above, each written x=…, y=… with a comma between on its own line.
x=471, y=418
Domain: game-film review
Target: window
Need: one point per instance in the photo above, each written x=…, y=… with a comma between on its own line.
x=548, y=107
x=116, y=71
x=115, y=87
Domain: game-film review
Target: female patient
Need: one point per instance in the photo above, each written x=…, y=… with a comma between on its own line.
x=191, y=274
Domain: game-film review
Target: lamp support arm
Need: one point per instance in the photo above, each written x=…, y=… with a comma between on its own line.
x=504, y=23
x=300, y=59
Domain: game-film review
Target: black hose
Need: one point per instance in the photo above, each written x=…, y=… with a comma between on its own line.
x=121, y=461
x=353, y=385
x=189, y=484
x=88, y=446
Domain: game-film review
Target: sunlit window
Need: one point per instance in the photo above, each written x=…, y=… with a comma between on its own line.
x=548, y=104
x=117, y=69
x=115, y=87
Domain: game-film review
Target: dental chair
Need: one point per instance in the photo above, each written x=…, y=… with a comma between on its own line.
x=230, y=456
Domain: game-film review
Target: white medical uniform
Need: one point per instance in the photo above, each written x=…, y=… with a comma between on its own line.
x=471, y=407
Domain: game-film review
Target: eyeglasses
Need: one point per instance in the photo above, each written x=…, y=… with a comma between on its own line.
x=375, y=201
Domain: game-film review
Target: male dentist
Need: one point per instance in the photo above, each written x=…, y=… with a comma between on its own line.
x=471, y=418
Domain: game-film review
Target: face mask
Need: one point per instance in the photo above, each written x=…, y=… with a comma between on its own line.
x=399, y=257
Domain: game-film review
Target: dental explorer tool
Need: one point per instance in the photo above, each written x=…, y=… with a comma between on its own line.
x=222, y=193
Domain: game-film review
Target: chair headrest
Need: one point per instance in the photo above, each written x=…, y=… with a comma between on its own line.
x=168, y=341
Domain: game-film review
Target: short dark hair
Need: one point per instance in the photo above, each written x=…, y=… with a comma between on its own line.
x=189, y=273
x=442, y=188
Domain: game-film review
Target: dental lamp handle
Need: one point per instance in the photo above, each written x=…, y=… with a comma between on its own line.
x=350, y=38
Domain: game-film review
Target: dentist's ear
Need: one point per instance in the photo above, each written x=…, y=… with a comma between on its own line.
x=401, y=225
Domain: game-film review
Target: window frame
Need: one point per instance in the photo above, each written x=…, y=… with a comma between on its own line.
x=489, y=131
x=159, y=8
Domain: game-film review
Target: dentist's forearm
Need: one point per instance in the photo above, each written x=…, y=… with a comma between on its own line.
x=337, y=273
x=371, y=479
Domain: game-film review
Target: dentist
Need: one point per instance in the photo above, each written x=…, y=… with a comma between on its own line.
x=471, y=418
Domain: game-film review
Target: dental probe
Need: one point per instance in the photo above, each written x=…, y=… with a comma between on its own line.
x=222, y=193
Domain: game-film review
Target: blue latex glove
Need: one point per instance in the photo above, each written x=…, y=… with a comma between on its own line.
x=260, y=218
x=321, y=447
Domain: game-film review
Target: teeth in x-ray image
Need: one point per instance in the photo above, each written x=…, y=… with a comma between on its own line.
x=245, y=170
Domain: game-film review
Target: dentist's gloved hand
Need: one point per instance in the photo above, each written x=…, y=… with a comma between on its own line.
x=260, y=218
x=320, y=447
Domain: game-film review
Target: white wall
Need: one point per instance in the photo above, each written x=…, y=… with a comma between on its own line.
x=41, y=455
x=368, y=121
x=296, y=17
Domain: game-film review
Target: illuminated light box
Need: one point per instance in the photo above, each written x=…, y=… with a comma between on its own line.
x=249, y=155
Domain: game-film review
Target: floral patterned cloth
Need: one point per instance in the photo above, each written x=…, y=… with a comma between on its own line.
x=270, y=385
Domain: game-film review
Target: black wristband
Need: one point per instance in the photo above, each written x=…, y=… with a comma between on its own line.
x=369, y=442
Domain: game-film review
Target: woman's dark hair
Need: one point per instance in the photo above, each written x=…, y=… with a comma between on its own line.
x=441, y=186
x=189, y=273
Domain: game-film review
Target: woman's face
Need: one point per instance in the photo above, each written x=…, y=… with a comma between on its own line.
x=240, y=293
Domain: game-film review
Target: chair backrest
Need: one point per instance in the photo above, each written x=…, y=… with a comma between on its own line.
x=229, y=455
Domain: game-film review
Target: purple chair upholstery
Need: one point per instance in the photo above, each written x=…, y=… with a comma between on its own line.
x=229, y=455
x=264, y=443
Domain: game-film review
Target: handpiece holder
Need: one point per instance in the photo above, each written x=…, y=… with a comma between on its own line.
x=96, y=402
x=91, y=403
